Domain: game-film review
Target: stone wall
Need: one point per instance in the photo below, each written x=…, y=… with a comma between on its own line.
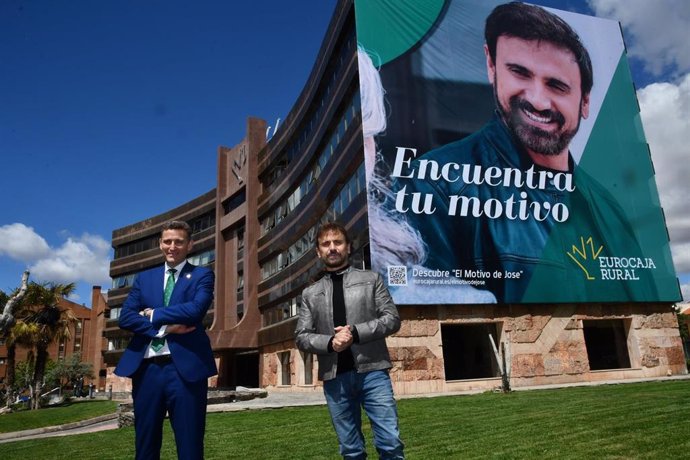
x=545, y=345
x=271, y=368
x=119, y=384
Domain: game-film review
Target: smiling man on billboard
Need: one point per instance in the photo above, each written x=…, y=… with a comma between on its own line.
x=493, y=200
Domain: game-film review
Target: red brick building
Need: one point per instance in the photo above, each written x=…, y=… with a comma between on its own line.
x=86, y=336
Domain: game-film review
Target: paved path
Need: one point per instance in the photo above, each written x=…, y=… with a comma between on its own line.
x=109, y=422
x=105, y=422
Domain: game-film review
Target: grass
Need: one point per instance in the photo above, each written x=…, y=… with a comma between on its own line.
x=640, y=420
x=59, y=415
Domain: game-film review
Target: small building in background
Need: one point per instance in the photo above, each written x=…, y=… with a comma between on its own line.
x=86, y=337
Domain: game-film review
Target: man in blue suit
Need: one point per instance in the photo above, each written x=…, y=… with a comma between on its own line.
x=169, y=358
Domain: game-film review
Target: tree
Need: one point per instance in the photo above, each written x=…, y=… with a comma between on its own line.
x=24, y=375
x=11, y=342
x=40, y=323
x=69, y=371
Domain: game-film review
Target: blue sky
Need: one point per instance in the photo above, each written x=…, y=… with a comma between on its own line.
x=112, y=111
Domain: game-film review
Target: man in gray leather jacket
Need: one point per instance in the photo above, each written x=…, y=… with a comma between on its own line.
x=344, y=319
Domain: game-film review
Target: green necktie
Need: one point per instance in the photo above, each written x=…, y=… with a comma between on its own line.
x=157, y=344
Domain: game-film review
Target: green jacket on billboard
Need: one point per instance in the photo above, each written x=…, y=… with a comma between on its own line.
x=487, y=212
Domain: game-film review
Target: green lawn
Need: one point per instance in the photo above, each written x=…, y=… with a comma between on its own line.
x=640, y=420
x=71, y=412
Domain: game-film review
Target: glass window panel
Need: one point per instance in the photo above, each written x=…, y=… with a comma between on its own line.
x=353, y=189
x=344, y=197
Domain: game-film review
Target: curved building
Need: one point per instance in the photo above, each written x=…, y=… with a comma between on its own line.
x=258, y=231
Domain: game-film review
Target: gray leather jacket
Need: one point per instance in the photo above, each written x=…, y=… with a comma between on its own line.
x=369, y=308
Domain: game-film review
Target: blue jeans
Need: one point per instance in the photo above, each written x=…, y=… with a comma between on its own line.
x=345, y=395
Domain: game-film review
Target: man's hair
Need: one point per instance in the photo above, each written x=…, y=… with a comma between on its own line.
x=331, y=227
x=533, y=23
x=177, y=225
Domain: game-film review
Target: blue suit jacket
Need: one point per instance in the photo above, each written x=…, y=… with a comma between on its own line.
x=191, y=353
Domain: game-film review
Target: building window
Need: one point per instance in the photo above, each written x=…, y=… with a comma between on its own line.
x=294, y=305
x=240, y=282
x=284, y=367
x=240, y=239
x=115, y=312
x=235, y=202
x=308, y=360
x=203, y=222
x=116, y=344
x=340, y=203
x=607, y=344
x=284, y=208
x=61, y=350
x=282, y=311
x=124, y=281
x=467, y=351
x=203, y=259
x=135, y=247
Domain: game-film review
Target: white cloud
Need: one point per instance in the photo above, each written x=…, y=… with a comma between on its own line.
x=22, y=243
x=83, y=259
x=665, y=111
x=656, y=32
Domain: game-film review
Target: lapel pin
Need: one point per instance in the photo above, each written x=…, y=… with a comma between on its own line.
x=188, y=276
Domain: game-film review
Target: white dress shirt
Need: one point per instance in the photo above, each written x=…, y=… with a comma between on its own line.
x=150, y=353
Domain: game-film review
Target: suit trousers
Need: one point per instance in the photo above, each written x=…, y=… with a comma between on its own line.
x=157, y=387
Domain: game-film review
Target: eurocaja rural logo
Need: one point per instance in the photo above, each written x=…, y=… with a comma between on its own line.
x=595, y=264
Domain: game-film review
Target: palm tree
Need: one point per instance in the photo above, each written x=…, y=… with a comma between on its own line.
x=9, y=375
x=11, y=345
x=40, y=323
x=24, y=335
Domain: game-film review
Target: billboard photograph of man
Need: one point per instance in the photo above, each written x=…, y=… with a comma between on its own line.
x=542, y=77
x=508, y=207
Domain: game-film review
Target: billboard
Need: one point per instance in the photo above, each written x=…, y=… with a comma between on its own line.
x=505, y=157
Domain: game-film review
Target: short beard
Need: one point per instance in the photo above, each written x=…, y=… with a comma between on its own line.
x=341, y=262
x=531, y=137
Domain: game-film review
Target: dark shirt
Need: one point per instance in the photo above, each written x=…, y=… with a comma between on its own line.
x=346, y=362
